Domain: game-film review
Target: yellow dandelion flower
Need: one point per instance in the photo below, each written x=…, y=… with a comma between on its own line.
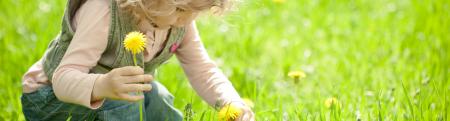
x=297, y=74
x=134, y=42
x=248, y=102
x=279, y=1
x=332, y=102
x=229, y=113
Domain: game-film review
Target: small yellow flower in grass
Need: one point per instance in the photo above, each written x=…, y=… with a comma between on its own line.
x=229, y=113
x=248, y=102
x=279, y=1
x=330, y=102
x=297, y=74
x=135, y=42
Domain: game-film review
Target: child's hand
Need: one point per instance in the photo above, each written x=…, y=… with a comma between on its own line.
x=119, y=82
x=247, y=113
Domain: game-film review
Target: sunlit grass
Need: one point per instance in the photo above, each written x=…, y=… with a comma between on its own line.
x=381, y=59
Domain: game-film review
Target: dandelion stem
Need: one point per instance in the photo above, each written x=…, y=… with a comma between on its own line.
x=141, y=115
x=134, y=60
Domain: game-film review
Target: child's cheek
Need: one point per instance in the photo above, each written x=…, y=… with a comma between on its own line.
x=165, y=21
x=185, y=19
x=177, y=19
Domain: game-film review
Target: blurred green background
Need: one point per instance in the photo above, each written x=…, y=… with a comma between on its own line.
x=381, y=60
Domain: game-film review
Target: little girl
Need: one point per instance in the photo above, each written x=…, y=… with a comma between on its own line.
x=85, y=73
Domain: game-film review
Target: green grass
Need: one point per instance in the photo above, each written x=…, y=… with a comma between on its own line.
x=383, y=60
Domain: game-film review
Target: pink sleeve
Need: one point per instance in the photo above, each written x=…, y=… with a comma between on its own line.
x=71, y=81
x=34, y=78
x=204, y=75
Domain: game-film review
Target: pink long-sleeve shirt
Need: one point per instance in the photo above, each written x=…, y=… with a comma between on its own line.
x=73, y=83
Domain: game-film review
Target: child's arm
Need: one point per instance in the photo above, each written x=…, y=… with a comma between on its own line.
x=206, y=78
x=204, y=75
x=71, y=81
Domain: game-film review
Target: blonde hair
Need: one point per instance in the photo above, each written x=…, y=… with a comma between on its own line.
x=152, y=10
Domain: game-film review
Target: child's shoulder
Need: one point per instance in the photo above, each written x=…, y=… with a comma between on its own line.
x=91, y=11
x=98, y=3
x=94, y=7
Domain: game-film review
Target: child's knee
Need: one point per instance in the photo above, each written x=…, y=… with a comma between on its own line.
x=160, y=91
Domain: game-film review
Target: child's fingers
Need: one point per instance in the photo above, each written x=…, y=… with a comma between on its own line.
x=131, y=98
x=138, y=78
x=242, y=117
x=247, y=115
x=129, y=71
x=136, y=88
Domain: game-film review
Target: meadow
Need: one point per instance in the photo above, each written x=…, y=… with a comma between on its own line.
x=378, y=60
